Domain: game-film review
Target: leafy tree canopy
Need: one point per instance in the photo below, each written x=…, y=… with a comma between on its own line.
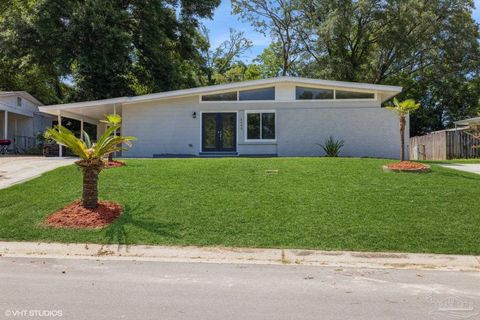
x=106, y=48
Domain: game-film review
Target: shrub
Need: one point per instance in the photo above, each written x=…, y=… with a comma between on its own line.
x=332, y=147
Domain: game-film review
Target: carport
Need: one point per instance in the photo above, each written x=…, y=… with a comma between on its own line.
x=86, y=112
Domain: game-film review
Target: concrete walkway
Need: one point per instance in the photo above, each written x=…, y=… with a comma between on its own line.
x=242, y=255
x=467, y=167
x=15, y=170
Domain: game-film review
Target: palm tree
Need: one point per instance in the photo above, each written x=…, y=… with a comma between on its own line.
x=90, y=154
x=403, y=109
x=112, y=120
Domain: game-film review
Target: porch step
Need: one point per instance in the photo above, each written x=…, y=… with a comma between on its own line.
x=218, y=154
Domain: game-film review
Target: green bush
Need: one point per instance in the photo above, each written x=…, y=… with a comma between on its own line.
x=332, y=147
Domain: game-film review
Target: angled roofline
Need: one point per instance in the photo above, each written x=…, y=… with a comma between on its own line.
x=23, y=94
x=389, y=90
x=466, y=122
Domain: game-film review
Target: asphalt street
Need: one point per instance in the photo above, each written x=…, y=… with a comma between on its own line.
x=37, y=288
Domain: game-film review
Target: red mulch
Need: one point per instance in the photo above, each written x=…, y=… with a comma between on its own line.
x=407, y=166
x=113, y=164
x=76, y=216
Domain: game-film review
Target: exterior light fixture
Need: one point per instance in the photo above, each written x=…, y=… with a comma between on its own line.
x=194, y=115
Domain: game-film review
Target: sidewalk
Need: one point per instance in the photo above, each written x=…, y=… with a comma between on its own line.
x=466, y=167
x=242, y=256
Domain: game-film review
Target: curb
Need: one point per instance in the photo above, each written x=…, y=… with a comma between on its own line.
x=242, y=256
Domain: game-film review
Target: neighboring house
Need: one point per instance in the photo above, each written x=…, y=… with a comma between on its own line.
x=285, y=116
x=20, y=119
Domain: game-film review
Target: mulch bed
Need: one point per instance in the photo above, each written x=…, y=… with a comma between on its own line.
x=113, y=164
x=76, y=216
x=407, y=166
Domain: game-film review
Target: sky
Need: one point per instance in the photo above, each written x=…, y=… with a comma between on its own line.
x=223, y=20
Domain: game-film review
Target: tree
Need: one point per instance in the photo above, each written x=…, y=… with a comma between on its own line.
x=99, y=48
x=270, y=62
x=430, y=47
x=403, y=109
x=91, y=155
x=277, y=19
x=220, y=59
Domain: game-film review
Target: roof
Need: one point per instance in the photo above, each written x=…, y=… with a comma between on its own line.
x=390, y=91
x=23, y=94
x=468, y=121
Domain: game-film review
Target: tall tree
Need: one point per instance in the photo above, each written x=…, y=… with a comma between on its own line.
x=430, y=47
x=104, y=48
x=221, y=58
x=277, y=19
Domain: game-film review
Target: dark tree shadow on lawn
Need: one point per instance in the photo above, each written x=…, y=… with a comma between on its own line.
x=116, y=233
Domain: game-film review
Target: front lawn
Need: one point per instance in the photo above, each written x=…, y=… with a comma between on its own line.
x=317, y=203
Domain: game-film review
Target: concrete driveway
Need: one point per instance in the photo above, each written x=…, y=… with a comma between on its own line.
x=15, y=170
x=467, y=167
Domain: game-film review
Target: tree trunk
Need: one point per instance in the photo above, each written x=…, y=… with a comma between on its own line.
x=110, y=157
x=90, y=170
x=402, y=137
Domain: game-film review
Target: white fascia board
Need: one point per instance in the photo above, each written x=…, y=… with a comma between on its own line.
x=466, y=122
x=391, y=90
x=24, y=94
x=94, y=103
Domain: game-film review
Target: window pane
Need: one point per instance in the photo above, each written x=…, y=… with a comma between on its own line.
x=258, y=94
x=253, y=124
x=227, y=96
x=354, y=95
x=268, y=125
x=313, y=94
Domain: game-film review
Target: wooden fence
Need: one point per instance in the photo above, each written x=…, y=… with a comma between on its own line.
x=444, y=145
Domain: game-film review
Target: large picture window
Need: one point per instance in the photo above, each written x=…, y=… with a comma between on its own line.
x=260, y=125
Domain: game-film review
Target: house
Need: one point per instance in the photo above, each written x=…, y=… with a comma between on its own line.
x=20, y=119
x=284, y=116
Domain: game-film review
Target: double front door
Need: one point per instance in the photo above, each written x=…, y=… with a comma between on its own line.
x=219, y=131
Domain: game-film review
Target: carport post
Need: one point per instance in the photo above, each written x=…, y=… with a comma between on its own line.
x=115, y=112
x=115, y=132
x=5, y=133
x=60, y=148
x=81, y=129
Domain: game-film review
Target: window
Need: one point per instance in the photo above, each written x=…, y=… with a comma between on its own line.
x=339, y=94
x=303, y=93
x=226, y=96
x=19, y=101
x=260, y=126
x=258, y=94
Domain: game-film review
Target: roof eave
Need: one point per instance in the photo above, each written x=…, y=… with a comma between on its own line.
x=386, y=91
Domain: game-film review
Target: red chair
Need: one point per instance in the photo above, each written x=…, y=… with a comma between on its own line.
x=4, y=144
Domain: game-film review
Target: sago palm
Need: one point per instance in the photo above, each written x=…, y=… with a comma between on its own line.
x=91, y=155
x=403, y=109
x=112, y=120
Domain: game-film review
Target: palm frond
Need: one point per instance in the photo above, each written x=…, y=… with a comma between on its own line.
x=87, y=140
x=65, y=137
x=112, y=119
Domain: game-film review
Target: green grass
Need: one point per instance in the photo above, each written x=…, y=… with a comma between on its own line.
x=321, y=203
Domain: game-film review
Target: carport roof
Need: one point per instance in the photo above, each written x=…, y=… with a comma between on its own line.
x=468, y=121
